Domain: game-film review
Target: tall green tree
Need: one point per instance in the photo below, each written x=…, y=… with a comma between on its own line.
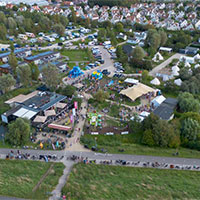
x=138, y=53
x=59, y=29
x=13, y=62
x=11, y=24
x=34, y=71
x=190, y=129
x=50, y=75
x=6, y=82
x=3, y=32
x=24, y=73
x=100, y=96
x=18, y=132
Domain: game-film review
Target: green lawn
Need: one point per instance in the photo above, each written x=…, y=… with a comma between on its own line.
x=88, y=182
x=18, y=178
x=130, y=145
x=76, y=55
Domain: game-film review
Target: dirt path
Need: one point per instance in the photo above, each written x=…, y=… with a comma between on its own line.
x=43, y=177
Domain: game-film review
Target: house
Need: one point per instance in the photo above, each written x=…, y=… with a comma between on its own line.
x=187, y=59
x=189, y=51
x=30, y=105
x=20, y=53
x=165, y=110
x=128, y=49
x=43, y=57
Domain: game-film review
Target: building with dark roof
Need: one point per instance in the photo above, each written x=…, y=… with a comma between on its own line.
x=43, y=57
x=189, y=51
x=20, y=53
x=29, y=106
x=165, y=110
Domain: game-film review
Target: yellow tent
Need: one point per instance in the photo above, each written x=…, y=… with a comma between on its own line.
x=137, y=91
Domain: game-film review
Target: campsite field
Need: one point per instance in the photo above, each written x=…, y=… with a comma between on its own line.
x=18, y=178
x=91, y=181
x=131, y=145
x=76, y=55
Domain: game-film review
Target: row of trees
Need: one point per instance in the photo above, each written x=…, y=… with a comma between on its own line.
x=31, y=22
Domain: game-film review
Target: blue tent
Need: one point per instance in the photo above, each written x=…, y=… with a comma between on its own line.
x=75, y=72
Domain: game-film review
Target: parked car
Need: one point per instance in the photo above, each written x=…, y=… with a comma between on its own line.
x=105, y=72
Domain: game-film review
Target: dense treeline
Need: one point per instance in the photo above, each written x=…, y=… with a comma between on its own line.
x=111, y=2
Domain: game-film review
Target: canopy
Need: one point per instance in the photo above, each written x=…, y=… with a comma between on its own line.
x=59, y=127
x=178, y=82
x=25, y=113
x=131, y=81
x=137, y=91
x=157, y=57
x=50, y=113
x=175, y=68
x=155, y=81
x=61, y=105
x=78, y=85
x=40, y=119
x=158, y=100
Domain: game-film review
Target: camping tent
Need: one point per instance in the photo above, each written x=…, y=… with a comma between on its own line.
x=197, y=57
x=187, y=64
x=155, y=81
x=175, y=73
x=178, y=82
x=165, y=78
x=137, y=91
x=157, y=57
x=157, y=101
x=197, y=66
x=175, y=68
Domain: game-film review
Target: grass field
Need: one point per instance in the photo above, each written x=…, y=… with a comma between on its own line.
x=76, y=55
x=18, y=178
x=130, y=145
x=88, y=182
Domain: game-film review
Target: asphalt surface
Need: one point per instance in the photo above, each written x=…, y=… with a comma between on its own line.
x=101, y=156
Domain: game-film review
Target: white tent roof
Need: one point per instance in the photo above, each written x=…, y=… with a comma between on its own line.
x=187, y=64
x=157, y=56
x=137, y=91
x=175, y=73
x=158, y=99
x=49, y=113
x=165, y=78
x=155, y=81
x=165, y=49
x=25, y=113
x=196, y=66
x=197, y=57
x=144, y=114
x=40, y=119
x=175, y=68
x=178, y=82
x=61, y=105
x=131, y=80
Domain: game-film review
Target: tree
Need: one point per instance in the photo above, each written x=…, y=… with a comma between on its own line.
x=2, y=18
x=74, y=18
x=119, y=27
x=187, y=103
x=138, y=53
x=163, y=37
x=34, y=71
x=63, y=20
x=59, y=29
x=69, y=90
x=153, y=39
x=13, y=62
x=11, y=24
x=145, y=75
x=18, y=132
x=100, y=96
x=147, y=138
x=51, y=76
x=6, y=82
x=12, y=46
x=24, y=73
x=190, y=129
x=3, y=32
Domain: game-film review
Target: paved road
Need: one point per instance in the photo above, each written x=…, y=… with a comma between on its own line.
x=164, y=64
x=92, y=155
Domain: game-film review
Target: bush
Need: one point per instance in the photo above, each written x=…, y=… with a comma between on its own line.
x=147, y=138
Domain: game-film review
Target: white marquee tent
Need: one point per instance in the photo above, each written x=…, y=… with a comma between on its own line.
x=155, y=81
x=178, y=82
